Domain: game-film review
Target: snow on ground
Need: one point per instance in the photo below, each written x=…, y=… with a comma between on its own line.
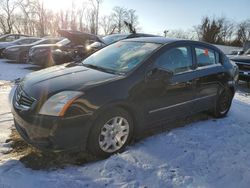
x=211, y=153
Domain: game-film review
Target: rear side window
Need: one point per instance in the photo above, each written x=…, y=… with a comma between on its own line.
x=176, y=59
x=206, y=57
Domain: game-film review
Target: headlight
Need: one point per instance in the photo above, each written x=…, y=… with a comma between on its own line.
x=58, y=104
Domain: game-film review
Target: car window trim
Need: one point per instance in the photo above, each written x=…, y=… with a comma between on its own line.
x=209, y=66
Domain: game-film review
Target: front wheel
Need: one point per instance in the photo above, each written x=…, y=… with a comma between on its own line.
x=111, y=133
x=223, y=103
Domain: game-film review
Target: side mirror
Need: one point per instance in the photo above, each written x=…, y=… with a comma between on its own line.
x=159, y=74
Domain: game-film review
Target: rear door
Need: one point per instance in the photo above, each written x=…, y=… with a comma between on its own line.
x=209, y=76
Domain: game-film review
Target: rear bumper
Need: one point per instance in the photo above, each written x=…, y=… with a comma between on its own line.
x=50, y=133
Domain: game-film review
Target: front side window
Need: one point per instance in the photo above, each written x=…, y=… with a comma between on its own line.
x=120, y=57
x=205, y=57
x=176, y=59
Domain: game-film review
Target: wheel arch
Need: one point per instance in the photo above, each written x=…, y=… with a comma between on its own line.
x=132, y=111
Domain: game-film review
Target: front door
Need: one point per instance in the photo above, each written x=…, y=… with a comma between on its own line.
x=171, y=98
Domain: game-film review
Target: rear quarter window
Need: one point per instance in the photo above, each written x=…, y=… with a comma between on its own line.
x=206, y=56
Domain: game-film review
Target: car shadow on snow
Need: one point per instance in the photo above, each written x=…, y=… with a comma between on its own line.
x=28, y=67
x=32, y=158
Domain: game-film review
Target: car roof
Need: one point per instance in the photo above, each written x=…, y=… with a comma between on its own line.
x=163, y=40
x=160, y=40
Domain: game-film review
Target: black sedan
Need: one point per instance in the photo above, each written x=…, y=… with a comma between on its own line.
x=120, y=92
x=243, y=62
x=22, y=41
x=19, y=53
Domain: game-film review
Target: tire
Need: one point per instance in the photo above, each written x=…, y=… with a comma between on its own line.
x=105, y=127
x=223, y=103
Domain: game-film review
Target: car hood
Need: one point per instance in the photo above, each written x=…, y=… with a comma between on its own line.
x=79, y=38
x=241, y=58
x=70, y=76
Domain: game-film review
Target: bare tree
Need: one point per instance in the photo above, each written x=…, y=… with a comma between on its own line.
x=107, y=25
x=215, y=30
x=73, y=15
x=80, y=15
x=132, y=19
x=119, y=16
x=243, y=31
x=95, y=13
x=7, y=14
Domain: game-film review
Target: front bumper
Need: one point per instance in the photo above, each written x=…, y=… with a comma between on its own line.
x=53, y=133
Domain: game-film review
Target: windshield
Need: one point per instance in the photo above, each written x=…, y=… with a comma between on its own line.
x=113, y=38
x=120, y=57
x=63, y=42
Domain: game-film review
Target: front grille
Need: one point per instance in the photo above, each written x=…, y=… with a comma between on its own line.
x=243, y=67
x=22, y=100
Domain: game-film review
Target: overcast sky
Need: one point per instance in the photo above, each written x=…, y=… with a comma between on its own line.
x=155, y=16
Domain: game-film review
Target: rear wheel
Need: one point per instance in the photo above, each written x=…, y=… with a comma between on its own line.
x=111, y=133
x=223, y=103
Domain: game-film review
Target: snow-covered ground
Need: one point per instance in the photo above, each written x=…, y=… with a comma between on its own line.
x=210, y=153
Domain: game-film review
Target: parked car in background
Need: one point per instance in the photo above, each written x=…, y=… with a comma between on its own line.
x=243, y=62
x=63, y=56
x=110, y=39
x=235, y=53
x=64, y=51
x=19, y=53
x=120, y=92
x=25, y=40
x=11, y=37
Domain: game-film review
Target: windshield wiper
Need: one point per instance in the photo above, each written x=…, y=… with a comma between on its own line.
x=102, y=69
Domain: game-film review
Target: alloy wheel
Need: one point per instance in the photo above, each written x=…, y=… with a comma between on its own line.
x=114, y=134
